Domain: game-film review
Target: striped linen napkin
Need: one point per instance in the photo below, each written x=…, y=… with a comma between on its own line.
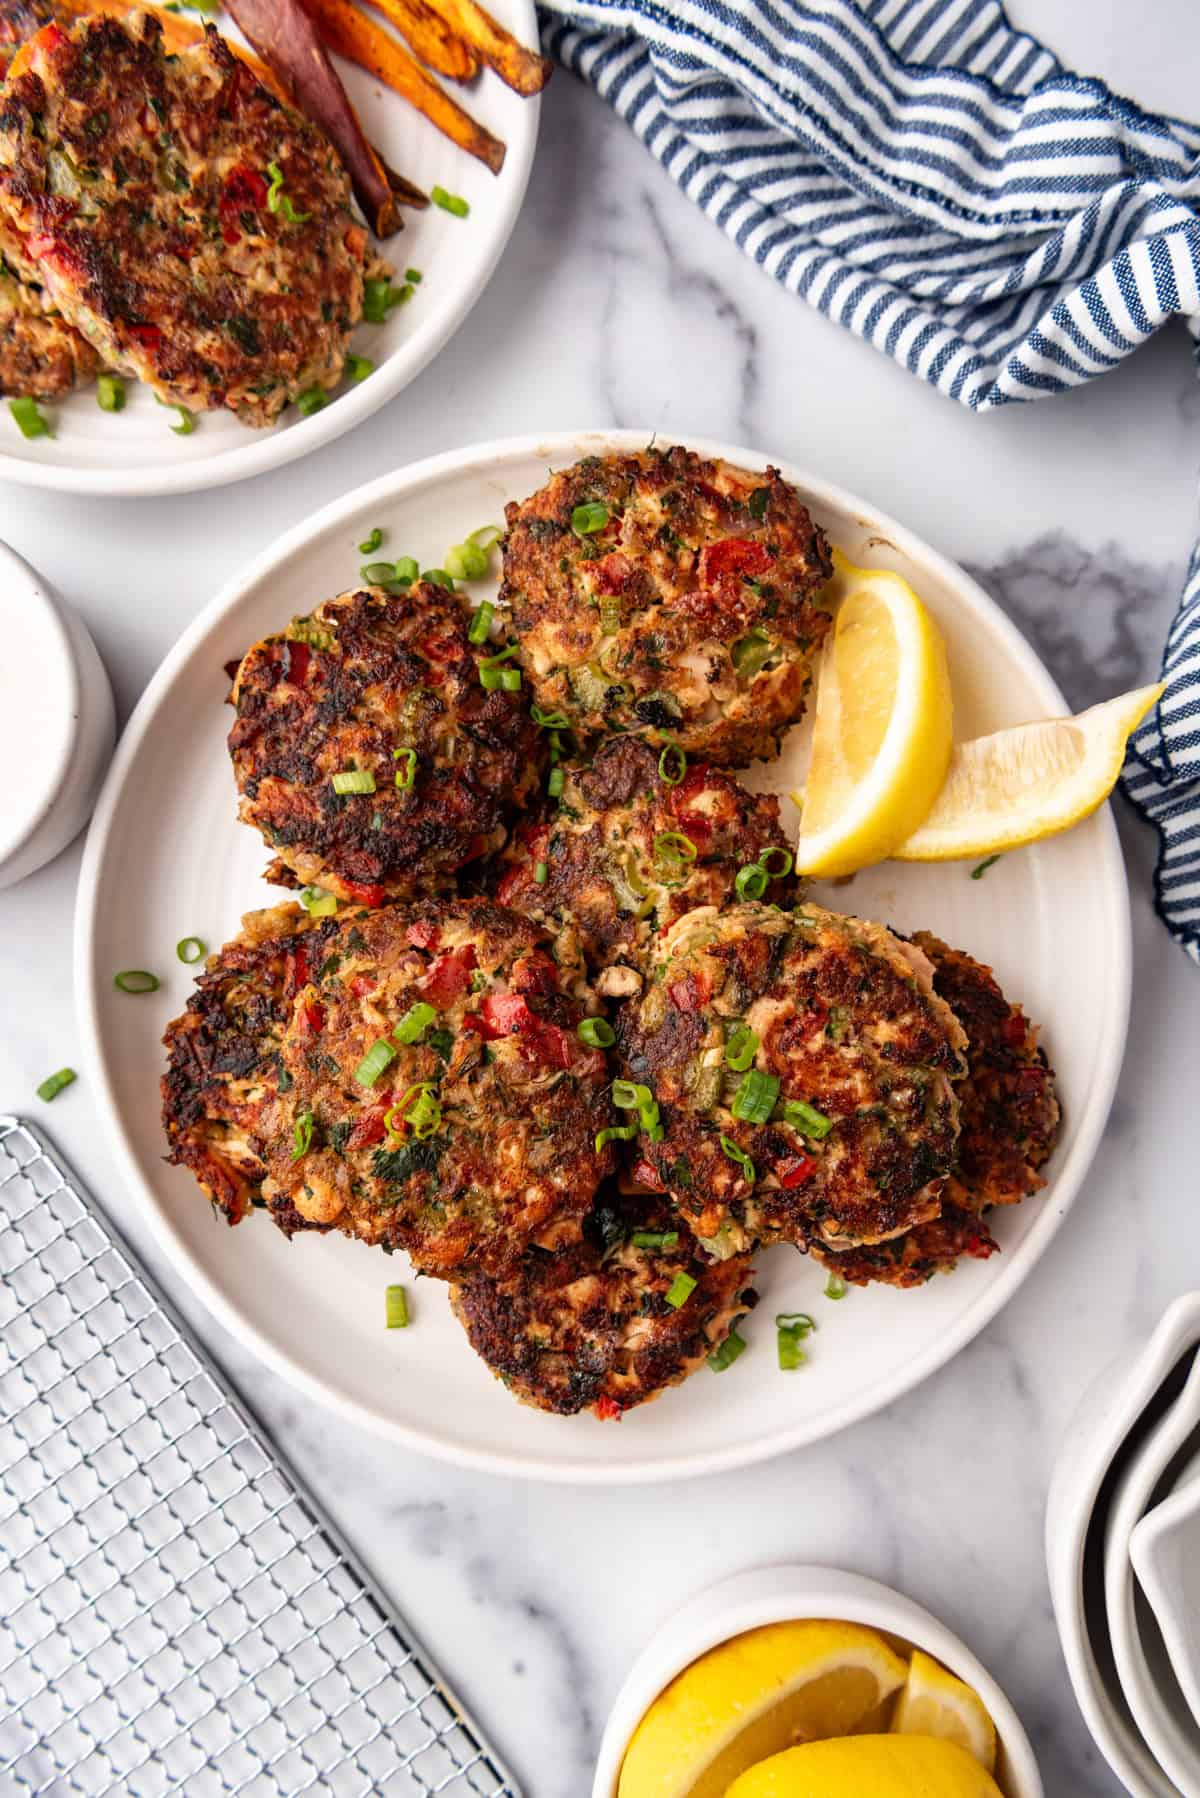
x=936, y=182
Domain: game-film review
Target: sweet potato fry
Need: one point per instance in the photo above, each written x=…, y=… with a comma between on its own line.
x=352, y=35
x=287, y=38
x=407, y=192
x=523, y=70
x=430, y=38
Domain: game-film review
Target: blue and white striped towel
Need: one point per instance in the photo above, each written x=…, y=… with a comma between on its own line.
x=939, y=184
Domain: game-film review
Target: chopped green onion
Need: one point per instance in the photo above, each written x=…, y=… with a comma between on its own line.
x=485, y=536
x=358, y=368
x=750, y=652
x=413, y=275
x=977, y=873
x=597, y=1033
x=136, y=980
x=371, y=542
x=53, y=1084
x=376, y=295
x=743, y=1160
x=302, y=1135
x=491, y=674
x=186, y=425
x=627, y=1096
x=541, y=873
x=425, y=1113
x=354, y=780
x=110, y=393
x=740, y=1048
x=277, y=200
x=725, y=1356
x=680, y=1291
x=615, y=1133
x=549, y=720
x=755, y=1098
x=397, y=1308
x=751, y=881
x=610, y=614
x=589, y=518
x=672, y=850
x=791, y=1327
x=555, y=783
x=481, y=622
x=449, y=202
x=29, y=420
x=757, y=503
x=379, y=1056
x=414, y=1023
x=466, y=562
x=318, y=904
x=654, y=1239
x=406, y=569
x=311, y=400
x=377, y=574
x=672, y=771
x=406, y=774
x=510, y=679
x=189, y=949
x=835, y=1287
x=807, y=1119
x=764, y=861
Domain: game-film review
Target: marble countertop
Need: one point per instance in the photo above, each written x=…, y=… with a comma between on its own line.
x=617, y=305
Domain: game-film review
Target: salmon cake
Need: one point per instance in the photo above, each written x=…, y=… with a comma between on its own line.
x=41, y=356
x=367, y=750
x=632, y=840
x=608, y=1319
x=223, y=1062
x=436, y=1094
x=197, y=232
x=671, y=594
x=792, y=1077
x=1010, y=1119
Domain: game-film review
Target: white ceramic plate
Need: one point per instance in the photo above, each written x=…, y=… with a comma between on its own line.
x=135, y=453
x=166, y=857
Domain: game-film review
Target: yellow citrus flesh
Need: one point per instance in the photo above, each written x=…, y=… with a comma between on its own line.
x=882, y=724
x=753, y=1696
x=869, y=1767
x=935, y=1703
x=1033, y=781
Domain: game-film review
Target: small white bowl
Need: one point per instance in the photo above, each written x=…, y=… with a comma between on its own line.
x=57, y=721
x=1165, y=1550
x=1075, y=1514
x=785, y=1594
x=1143, y=1667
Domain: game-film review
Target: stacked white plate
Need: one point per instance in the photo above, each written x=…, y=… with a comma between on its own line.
x=1123, y=1550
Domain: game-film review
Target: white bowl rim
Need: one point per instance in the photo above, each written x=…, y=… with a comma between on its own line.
x=1075, y=1486
x=792, y=1593
x=37, y=593
x=1179, y=1510
x=1069, y=1174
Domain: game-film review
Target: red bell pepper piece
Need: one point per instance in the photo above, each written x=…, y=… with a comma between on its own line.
x=449, y=977
x=795, y=1171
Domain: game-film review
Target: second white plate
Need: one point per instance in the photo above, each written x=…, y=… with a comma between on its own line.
x=166, y=858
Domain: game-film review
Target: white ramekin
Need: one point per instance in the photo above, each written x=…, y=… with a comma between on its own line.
x=783, y=1594
x=59, y=705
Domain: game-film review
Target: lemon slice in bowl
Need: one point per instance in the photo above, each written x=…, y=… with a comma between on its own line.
x=869, y=1767
x=882, y=724
x=1032, y=781
x=935, y=1703
x=753, y=1696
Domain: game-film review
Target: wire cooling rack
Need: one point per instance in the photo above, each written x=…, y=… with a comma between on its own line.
x=176, y=1614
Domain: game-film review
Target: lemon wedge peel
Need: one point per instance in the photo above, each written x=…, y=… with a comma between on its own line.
x=1032, y=781
x=750, y=1697
x=881, y=1766
x=936, y=1703
x=883, y=724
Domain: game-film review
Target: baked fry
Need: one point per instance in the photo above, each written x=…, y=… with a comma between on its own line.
x=430, y=37
x=349, y=33
x=523, y=70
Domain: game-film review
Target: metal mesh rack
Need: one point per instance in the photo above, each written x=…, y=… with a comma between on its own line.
x=176, y=1614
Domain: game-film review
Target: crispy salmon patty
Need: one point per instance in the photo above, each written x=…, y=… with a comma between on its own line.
x=624, y=1308
x=632, y=840
x=668, y=593
x=196, y=231
x=794, y=1077
x=41, y=355
x=436, y=1095
x=384, y=688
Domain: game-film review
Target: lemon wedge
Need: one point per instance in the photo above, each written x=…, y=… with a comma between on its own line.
x=753, y=1696
x=935, y=1703
x=1020, y=785
x=881, y=1766
x=881, y=728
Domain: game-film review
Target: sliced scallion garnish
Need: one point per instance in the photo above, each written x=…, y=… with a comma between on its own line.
x=672, y=764
x=755, y=1098
x=541, y=873
x=136, y=980
x=397, y=1308
x=371, y=542
x=751, y=881
x=654, y=1239
x=555, y=783
x=453, y=203
x=725, y=1356
x=615, y=1133
x=317, y=903
x=302, y=1135
x=730, y=1148
x=481, y=622
x=29, y=420
x=379, y=1056
x=358, y=368
x=353, y=780
x=189, y=949
x=597, y=1033
x=807, y=1119
x=791, y=1327
x=414, y=1023
x=110, y=393
x=53, y=1084
x=680, y=1290
x=835, y=1287
x=590, y=517
x=740, y=1048
x=313, y=399
x=407, y=771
